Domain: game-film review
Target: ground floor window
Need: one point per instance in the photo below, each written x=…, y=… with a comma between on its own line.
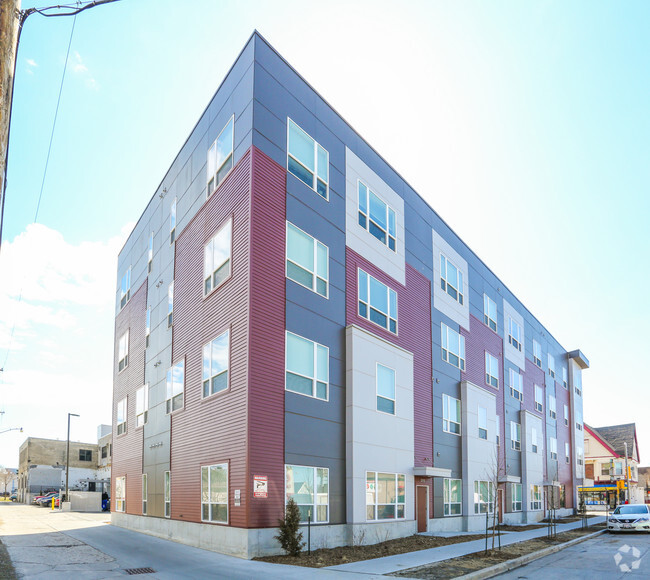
x=309, y=488
x=535, y=497
x=214, y=493
x=452, y=497
x=483, y=497
x=144, y=494
x=120, y=493
x=168, y=494
x=516, y=497
x=385, y=495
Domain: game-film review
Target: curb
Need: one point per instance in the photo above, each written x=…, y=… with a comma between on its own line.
x=523, y=560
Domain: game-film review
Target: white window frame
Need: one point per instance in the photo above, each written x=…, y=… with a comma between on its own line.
x=567, y=456
x=515, y=334
x=551, y=364
x=480, y=505
x=150, y=254
x=170, y=305
x=174, y=392
x=457, y=285
x=316, y=178
x=141, y=405
x=490, y=305
x=535, y=497
x=515, y=436
x=364, y=219
x=446, y=497
x=167, y=493
x=539, y=398
x=364, y=302
x=516, y=385
x=566, y=415
x=208, y=373
x=315, y=495
x=565, y=378
x=537, y=353
x=447, y=420
x=374, y=493
x=533, y=440
x=123, y=352
x=121, y=413
x=552, y=447
x=213, y=167
x=447, y=336
x=172, y=222
x=385, y=396
x=216, y=274
x=315, y=273
x=120, y=493
x=491, y=367
x=482, y=423
x=314, y=379
x=208, y=495
x=125, y=288
x=517, y=498
x=498, y=431
x=579, y=456
x=145, y=493
x=552, y=409
x=147, y=331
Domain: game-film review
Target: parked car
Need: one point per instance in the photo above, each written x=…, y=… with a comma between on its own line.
x=634, y=517
x=38, y=498
x=47, y=501
x=13, y=497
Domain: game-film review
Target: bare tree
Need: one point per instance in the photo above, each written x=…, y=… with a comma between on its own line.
x=6, y=477
x=493, y=474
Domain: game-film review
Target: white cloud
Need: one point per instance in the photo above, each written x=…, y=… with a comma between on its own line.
x=31, y=65
x=80, y=68
x=77, y=63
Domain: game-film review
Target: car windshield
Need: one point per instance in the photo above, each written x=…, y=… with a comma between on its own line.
x=631, y=509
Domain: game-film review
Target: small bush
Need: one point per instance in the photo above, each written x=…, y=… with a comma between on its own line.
x=289, y=537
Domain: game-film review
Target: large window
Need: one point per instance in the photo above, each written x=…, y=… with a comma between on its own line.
x=539, y=398
x=385, y=389
x=376, y=216
x=482, y=423
x=216, y=258
x=483, y=497
x=453, y=347
x=123, y=352
x=172, y=222
x=307, y=160
x=552, y=447
x=214, y=493
x=565, y=378
x=515, y=436
x=490, y=312
x=516, y=385
x=552, y=411
x=167, y=495
x=220, y=157
x=145, y=493
x=567, y=457
x=307, y=367
x=147, y=330
x=491, y=370
x=309, y=488
x=551, y=365
x=307, y=261
x=175, y=387
x=141, y=405
x=170, y=305
x=120, y=493
x=537, y=353
x=385, y=496
x=452, y=496
x=121, y=416
x=566, y=414
x=515, y=337
x=450, y=414
x=377, y=302
x=216, y=359
x=535, y=497
x=85, y=455
x=533, y=440
x=451, y=279
x=516, y=497
x=150, y=253
x=125, y=288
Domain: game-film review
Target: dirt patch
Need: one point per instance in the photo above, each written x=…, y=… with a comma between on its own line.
x=346, y=554
x=7, y=571
x=507, y=528
x=479, y=560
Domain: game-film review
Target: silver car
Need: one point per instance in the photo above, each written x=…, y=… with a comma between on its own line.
x=634, y=517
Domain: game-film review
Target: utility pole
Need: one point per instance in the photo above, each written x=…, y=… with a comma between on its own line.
x=67, y=460
x=627, y=475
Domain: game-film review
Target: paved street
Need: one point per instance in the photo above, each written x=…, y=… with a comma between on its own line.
x=606, y=556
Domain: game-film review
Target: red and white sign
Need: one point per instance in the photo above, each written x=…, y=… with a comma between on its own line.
x=260, y=486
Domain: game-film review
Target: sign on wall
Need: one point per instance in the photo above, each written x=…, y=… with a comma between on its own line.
x=260, y=486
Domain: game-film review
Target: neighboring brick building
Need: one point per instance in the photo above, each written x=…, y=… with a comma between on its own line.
x=293, y=320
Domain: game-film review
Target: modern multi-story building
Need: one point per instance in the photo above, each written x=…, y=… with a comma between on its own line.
x=294, y=320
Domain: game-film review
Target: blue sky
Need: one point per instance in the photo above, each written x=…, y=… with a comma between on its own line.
x=524, y=124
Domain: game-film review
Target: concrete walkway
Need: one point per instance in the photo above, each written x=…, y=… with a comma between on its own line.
x=401, y=562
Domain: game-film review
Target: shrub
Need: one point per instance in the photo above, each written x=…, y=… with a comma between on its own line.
x=289, y=537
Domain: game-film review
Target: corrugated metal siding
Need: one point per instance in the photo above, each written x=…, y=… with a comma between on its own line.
x=127, y=448
x=212, y=430
x=267, y=325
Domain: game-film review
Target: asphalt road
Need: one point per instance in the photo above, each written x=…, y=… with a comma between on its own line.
x=607, y=556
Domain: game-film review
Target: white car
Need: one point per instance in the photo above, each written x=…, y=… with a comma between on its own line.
x=634, y=517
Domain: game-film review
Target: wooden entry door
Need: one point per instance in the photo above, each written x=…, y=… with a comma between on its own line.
x=500, y=496
x=422, y=507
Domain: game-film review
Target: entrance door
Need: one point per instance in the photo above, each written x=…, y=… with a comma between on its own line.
x=500, y=502
x=422, y=507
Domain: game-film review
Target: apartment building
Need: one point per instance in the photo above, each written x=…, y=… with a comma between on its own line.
x=294, y=320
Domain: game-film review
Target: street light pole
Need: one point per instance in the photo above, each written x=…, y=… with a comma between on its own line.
x=67, y=457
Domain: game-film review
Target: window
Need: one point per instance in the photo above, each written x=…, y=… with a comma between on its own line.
x=551, y=407
x=567, y=455
x=216, y=359
x=451, y=279
x=121, y=416
x=307, y=160
x=452, y=496
x=216, y=258
x=482, y=423
x=515, y=436
x=150, y=254
x=172, y=222
x=120, y=493
x=566, y=414
x=145, y=494
x=537, y=353
x=450, y=414
x=123, y=352
x=516, y=385
x=214, y=493
x=385, y=496
x=220, y=157
x=551, y=364
x=307, y=367
x=85, y=455
x=453, y=347
x=618, y=468
x=539, y=398
x=125, y=288
x=385, y=389
x=491, y=370
x=578, y=416
x=307, y=261
x=105, y=452
x=565, y=378
x=516, y=497
x=498, y=430
x=147, y=331
x=175, y=387
x=376, y=216
x=309, y=488
x=490, y=312
x=514, y=334
x=604, y=468
x=483, y=497
x=168, y=494
x=579, y=455
x=170, y=305
x=553, y=447
x=141, y=405
x=377, y=302
x=533, y=439
x=535, y=497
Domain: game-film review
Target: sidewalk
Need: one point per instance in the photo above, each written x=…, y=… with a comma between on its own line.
x=401, y=562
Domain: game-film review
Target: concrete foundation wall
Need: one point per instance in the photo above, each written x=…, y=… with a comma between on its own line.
x=85, y=501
